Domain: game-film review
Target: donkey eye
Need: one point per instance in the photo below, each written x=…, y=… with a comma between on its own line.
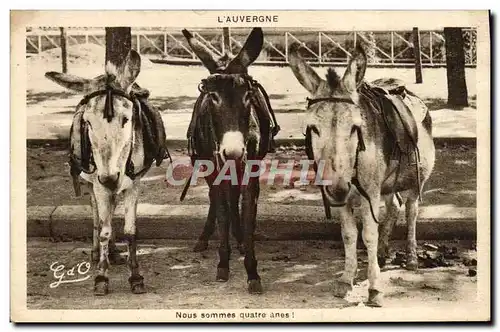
x=124, y=121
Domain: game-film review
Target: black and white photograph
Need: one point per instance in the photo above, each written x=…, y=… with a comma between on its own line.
x=273, y=166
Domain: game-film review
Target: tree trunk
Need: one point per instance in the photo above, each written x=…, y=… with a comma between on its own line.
x=64, y=53
x=118, y=44
x=455, y=67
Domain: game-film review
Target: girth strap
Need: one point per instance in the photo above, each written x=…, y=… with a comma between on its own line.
x=355, y=180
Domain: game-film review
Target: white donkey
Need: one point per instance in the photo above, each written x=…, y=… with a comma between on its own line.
x=115, y=137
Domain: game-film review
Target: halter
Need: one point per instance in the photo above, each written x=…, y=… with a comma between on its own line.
x=109, y=113
x=253, y=88
x=360, y=147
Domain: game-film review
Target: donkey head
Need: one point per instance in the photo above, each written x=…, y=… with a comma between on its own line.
x=106, y=113
x=334, y=121
x=229, y=90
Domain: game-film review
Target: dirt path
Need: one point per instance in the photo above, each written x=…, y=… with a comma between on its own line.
x=295, y=275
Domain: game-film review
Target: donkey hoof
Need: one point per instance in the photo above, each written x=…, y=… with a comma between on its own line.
x=255, y=287
x=241, y=248
x=381, y=261
x=222, y=274
x=138, y=288
x=412, y=264
x=137, y=284
x=375, y=298
x=341, y=288
x=200, y=246
x=101, y=286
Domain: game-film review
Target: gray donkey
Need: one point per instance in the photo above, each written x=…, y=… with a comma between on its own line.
x=373, y=142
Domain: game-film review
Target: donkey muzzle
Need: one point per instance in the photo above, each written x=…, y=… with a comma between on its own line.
x=109, y=181
x=232, y=146
x=339, y=192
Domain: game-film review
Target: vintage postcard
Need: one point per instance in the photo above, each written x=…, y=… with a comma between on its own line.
x=270, y=166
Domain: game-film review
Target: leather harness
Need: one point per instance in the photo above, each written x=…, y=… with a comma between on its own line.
x=139, y=118
x=368, y=94
x=253, y=88
x=361, y=147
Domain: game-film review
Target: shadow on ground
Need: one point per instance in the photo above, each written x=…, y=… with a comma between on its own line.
x=435, y=104
x=33, y=98
x=295, y=274
x=187, y=102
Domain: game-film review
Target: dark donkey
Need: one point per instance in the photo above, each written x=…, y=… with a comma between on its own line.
x=231, y=123
x=354, y=131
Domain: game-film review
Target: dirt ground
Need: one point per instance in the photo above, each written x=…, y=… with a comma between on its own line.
x=49, y=182
x=296, y=274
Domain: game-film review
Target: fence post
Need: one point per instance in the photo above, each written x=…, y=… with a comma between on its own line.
x=286, y=47
x=417, y=55
x=392, y=47
x=431, y=46
x=319, y=47
x=226, y=38
x=64, y=53
x=165, y=49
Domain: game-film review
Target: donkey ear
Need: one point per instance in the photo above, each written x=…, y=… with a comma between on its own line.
x=249, y=52
x=202, y=52
x=355, y=71
x=304, y=73
x=72, y=82
x=130, y=70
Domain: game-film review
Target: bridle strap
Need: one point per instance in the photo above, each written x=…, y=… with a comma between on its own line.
x=311, y=102
x=361, y=147
x=107, y=91
x=110, y=92
x=355, y=179
x=253, y=85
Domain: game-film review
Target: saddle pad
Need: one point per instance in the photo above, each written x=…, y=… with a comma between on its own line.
x=154, y=132
x=389, y=84
x=417, y=107
x=401, y=122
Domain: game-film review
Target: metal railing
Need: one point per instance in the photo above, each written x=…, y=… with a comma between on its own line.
x=384, y=48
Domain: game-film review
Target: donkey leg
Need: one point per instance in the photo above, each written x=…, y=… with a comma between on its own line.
x=94, y=254
x=349, y=236
x=249, y=213
x=208, y=229
x=115, y=257
x=370, y=238
x=130, y=201
x=236, y=230
x=385, y=229
x=223, y=223
x=411, y=220
x=105, y=203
